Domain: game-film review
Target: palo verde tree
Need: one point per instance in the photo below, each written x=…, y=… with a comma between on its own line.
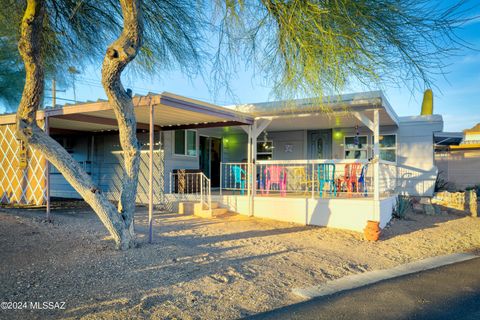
x=303, y=47
x=86, y=26
x=319, y=48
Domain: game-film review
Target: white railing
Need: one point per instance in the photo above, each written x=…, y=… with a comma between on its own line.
x=301, y=177
x=234, y=177
x=191, y=186
x=388, y=174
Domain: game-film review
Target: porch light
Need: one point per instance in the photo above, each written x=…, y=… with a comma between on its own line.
x=338, y=135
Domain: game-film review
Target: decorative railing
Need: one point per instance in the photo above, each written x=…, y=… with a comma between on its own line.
x=388, y=182
x=315, y=178
x=191, y=186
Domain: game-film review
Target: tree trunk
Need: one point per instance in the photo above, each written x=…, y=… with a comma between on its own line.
x=29, y=46
x=119, y=54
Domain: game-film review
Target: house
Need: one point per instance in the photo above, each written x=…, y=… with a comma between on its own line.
x=272, y=160
x=472, y=136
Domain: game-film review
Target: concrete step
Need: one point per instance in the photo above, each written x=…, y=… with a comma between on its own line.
x=211, y=214
x=205, y=213
x=219, y=211
x=196, y=208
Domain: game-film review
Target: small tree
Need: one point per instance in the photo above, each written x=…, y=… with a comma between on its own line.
x=118, y=220
x=305, y=47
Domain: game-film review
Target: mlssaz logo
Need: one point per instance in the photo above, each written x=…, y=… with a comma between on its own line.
x=47, y=305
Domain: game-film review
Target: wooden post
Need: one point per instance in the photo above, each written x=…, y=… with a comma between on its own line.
x=150, y=178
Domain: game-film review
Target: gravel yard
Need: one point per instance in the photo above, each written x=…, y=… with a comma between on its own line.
x=222, y=268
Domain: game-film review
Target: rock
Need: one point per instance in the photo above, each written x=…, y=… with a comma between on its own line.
x=425, y=200
x=429, y=209
x=418, y=208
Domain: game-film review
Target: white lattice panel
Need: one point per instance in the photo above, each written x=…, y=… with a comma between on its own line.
x=115, y=178
x=17, y=185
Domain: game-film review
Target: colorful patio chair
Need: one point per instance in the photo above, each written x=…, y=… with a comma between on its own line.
x=275, y=175
x=350, y=178
x=297, y=177
x=326, y=174
x=362, y=180
x=239, y=178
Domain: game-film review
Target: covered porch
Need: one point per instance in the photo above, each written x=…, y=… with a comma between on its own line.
x=309, y=165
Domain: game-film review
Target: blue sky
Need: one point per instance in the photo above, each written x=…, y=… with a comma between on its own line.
x=457, y=96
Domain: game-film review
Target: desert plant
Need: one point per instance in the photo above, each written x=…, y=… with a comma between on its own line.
x=403, y=204
x=475, y=187
x=441, y=184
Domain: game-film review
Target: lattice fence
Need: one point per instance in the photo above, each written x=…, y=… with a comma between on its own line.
x=114, y=184
x=20, y=185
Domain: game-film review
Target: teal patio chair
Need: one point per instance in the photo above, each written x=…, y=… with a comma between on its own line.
x=326, y=174
x=239, y=178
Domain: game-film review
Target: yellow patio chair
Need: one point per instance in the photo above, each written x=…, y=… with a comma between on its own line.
x=299, y=179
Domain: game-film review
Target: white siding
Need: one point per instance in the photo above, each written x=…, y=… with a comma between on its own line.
x=415, y=157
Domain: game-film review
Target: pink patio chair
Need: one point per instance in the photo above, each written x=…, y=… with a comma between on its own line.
x=275, y=175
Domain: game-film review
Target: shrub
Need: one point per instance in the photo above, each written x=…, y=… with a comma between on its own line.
x=442, y=184
x=404, y=203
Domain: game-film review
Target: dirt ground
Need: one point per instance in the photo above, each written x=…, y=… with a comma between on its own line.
x=222, y=268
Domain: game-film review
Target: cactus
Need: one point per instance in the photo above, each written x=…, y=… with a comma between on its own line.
x=401, y=207
x=427, y=104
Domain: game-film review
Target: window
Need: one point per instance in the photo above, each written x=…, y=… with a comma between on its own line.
x=388, y=147
x=356, y=151
x=265, y=150
x=185, y=143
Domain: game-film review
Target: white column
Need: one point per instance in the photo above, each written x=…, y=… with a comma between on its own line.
x=150, y=178
x=249, y=172
x=253, y=132
x=254, y=169
x=376, y=165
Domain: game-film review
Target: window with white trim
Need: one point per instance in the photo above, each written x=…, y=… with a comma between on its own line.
x=185, y=142
x=388, y=147
x=265, y=150
x=354, y=150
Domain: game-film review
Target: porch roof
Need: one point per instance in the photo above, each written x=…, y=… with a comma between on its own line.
x=172, y=112
x=333, y=112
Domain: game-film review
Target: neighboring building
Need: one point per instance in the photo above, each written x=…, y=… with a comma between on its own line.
x=299, y=137
x=458, y=160
x=443, y=140
x=472, y=136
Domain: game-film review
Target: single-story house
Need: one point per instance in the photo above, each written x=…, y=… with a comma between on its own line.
x=335, y=163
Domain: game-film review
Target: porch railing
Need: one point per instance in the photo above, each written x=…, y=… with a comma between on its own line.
x=301, y=177
x=388, y=173
x=191, y=186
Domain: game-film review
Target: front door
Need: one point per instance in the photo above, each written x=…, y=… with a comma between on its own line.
x=215, y=159
x=320, y=144
x=209, y=158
